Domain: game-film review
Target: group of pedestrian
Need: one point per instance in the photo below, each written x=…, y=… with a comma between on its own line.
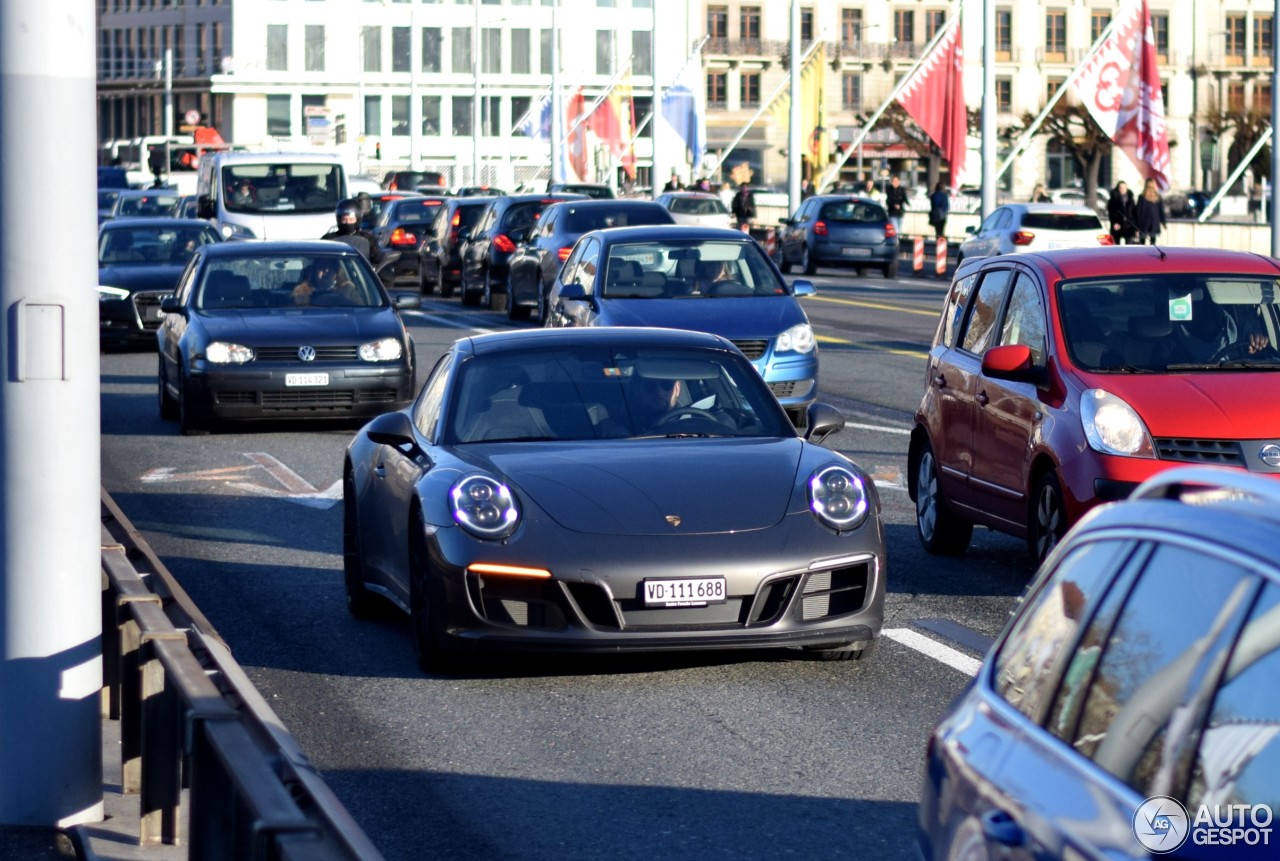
x=1135, y=221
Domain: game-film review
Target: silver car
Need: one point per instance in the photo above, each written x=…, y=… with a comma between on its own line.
x=1019, y=227
x=699, y=208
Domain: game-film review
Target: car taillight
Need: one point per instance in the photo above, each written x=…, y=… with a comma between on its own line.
x=1106, y=239
x=564, y=253
x=456, y=220
x=503, y=243
x=400, y=236
x=1023, y=237
x=889, y=230
x=819, y=228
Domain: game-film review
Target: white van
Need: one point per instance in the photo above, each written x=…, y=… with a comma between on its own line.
x=271, y=195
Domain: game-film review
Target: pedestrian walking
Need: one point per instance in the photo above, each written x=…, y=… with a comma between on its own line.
x=1150, y=213
x=1039, y=195
x=743, y=208
x=1122, y=211
x=939, y=209
x=895, y=202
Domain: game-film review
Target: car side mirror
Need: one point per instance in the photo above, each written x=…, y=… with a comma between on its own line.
x=407, y=301
x=393, y=429
x=574, y=290
x=464, y=234
x=784, y=221
x=204, y=206
x=971, y=230
x=803, y=288
x=171, y=305
x=824, y=420
x=520, y=235
x=1012, y=362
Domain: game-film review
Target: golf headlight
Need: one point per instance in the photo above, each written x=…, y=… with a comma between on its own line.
x=386, y=350
x=797, y=339
x=484, y=507
x=1112, y=426
x=838, y=497
x=108, y=294
x=222, y=353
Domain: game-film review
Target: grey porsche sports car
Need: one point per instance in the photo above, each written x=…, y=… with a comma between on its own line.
x=609, y=488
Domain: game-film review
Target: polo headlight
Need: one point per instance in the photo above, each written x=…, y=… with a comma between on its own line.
x=222, y=353
x=111, y=294
x=838, y=497
x=797, y=339
x=386, y=350
x=484, y=507
x=1112, y=426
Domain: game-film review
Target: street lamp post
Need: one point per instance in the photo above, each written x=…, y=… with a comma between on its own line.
x=475, y=97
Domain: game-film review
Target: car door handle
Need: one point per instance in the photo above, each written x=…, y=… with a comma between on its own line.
x=380, y=470
x=999, y=826
x=982, y=398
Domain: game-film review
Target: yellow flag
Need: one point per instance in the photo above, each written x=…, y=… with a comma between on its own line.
x=813, y=135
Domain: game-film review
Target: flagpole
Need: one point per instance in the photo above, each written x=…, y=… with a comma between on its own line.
x=1235, y=175
x=989, y=108
x=833, y=170
x=793, y=121
x=697, y=49
x=1029, y=132
x=557, y=103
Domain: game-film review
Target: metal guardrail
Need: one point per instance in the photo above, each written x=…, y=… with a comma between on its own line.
x=191, y=719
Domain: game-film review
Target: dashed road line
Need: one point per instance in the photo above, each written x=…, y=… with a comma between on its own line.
x=931, y=648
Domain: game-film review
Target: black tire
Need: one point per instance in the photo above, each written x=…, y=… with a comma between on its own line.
x=518, y=312
x=891, y=269
x=446, y=288
x=783, y=263
x=168, y=405
x=188, y=424
x=361, y=603
x=942, y=532
x=845, y=653
x=806, y=261
x=1046, y=517
x=425, y=287
x=542, y=305
x=468, y=295
x=424, y=607
x=495, y=299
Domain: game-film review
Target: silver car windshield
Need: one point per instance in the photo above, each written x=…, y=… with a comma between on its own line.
x=689, y=269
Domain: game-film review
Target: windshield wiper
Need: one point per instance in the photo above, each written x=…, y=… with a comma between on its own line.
x=1227, y=365
x=1125, y=369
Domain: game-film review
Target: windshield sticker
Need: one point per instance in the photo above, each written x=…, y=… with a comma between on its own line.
x=1180, y=308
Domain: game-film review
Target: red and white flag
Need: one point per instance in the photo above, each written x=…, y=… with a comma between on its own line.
x=934, y=97
x=1120, y=85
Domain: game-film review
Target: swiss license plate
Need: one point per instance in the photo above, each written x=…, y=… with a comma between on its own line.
x=684, y=592
x=306, y=379
x=856, y=252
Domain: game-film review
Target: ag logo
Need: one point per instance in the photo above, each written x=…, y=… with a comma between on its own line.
x=1161, y=824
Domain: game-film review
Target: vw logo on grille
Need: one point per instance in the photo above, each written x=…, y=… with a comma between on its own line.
x=1270, y=454
x=307, y=354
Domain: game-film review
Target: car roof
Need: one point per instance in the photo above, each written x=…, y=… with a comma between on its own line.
x=1144, y=259
x=159, y=222
x=273, y=247
x=690, y=194
x=658, y=232
x=620, y=336
x=533, y=197
x=1071, y=208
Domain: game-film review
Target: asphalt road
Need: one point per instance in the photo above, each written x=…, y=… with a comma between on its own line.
x=749, y=755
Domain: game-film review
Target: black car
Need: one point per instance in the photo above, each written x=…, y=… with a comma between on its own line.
x=439, y=255
x=282, y=330
x=139, y=261
x=566, y=490
x=401, y=227
x=377, y=203
x=596, y=190
x=493, y=239
x=407, y=180
x=534, y=264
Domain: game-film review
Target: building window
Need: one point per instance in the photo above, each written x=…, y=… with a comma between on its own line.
x=850, y=26
x=401, y=51
x=1262, y=98
x=313, y=50
x=1263, y=35
x=371, y=45
x=933, y=21
x=1055, y=35
x=544, y=51
x=641, y=52
x=521, y=52
x=1004, y=34
x=1235, y=97
x=604, y=52
x=717, y=89
x=491, y=51
x=279, y=116
x=749, y=23
x=277, y=47
x=431, y=116
x=200, y=52
x=461, y=44
x=490, y=116
x=806, y=27
x=1004, y=94
x=1051, y=86
x=400, y=116
x=1098, y=21
x=1160, y=30
x=718, y=22
x=1233, y=39
x=461, y=116
x=431, y=45
x=520, y=107
x=851, y=91
x=749, y=89
x=904, y=26
x=373, y=115
x=310, y=102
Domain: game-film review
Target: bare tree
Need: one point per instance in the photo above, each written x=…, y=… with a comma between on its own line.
x=1073, y=128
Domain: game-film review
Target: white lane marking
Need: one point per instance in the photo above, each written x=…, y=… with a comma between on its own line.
x=296, y=488
x=445, y=321
x=953, y=658
x=878, y=428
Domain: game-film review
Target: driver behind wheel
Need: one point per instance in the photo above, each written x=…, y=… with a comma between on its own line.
x=651, y=399
x=1212, y=332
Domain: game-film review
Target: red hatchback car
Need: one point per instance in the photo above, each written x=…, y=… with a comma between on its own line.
x=1059, y=380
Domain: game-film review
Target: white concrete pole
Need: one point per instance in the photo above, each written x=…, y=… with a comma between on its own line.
x=989, y=106
x=50, y=556
x=794, y=148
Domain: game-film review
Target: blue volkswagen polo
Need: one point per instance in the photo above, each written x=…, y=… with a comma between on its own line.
x=704, y=279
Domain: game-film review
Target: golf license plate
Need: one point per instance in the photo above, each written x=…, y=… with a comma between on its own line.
x=306, y=379
x=856, y=252
x=684, y=592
